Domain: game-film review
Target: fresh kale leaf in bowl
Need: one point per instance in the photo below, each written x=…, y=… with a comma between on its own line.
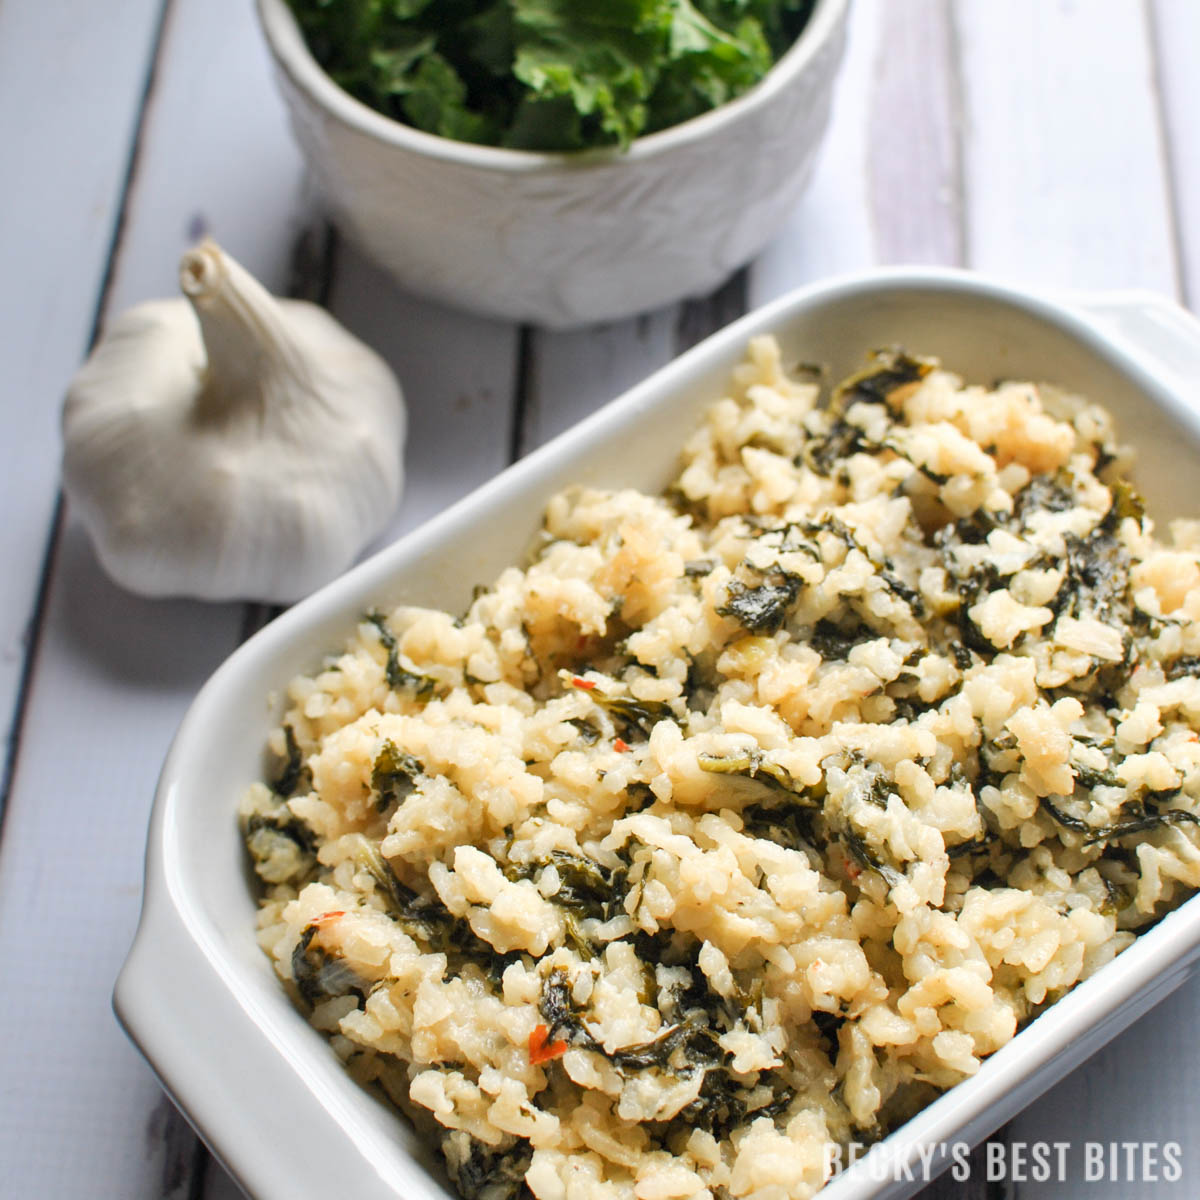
x=548, y=75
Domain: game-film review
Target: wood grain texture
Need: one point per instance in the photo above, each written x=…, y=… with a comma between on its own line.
x=831, y=230
x=215, y=161
x=571, y=374
x=1141, y=1088
x=217, y=1185
x=66, y=172
x=115, y=672
x=1065, y=182
x=915, y=166
x=458, y=373
x=1175, y=27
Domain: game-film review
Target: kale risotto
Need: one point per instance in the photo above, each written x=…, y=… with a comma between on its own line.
x=745, y=819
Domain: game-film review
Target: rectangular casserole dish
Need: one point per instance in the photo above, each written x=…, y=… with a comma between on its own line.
x=199, y=997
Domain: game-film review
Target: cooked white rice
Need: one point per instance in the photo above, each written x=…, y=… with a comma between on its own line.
x=745, y=819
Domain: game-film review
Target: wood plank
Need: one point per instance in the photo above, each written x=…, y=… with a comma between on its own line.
x=831, y=231
x=914, y=166
x=458, y=373
x=217, y=1185
x=1063, y=172
x=217, y=160
x=569, y=374
x=887, y=185
x=1175, y=25
x=1141, y=1088
x=70, y=164
x=115, y=672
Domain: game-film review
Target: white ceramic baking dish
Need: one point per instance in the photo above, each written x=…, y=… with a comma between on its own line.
x=199, y=997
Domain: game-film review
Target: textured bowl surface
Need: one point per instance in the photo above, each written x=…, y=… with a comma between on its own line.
x=201, y=999
x=566, y=239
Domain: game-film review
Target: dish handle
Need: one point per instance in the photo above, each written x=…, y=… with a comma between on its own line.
x=1157, y=327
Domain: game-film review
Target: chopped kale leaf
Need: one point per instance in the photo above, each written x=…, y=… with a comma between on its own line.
x=902, y=591
x=1096, y=583
x=788, y=825
x=585, y=886
x=892, y=369
x=1120, y=829
x=762, y=609
x=631, y=714
x=863, y=856
x=1126, y=502
x=822, y=453
x=753, y=764
x=428, y=920
x=587, y=731
x=400, y=680
x=292, y=828
x=1187, y=664
x=1086, y=777
x=294, y=772
x=320, y=975
x=1142, y=823
x=964, y=848
x=394, y=776
x=833, y=642
x=1043, y=493
x=1077, y=825
x=558, y=1010
x=475, y=1166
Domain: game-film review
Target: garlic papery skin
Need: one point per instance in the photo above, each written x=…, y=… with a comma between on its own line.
x=229, y=445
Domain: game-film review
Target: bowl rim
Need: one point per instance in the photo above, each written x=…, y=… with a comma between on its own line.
x=292, y=55
x=202, y=969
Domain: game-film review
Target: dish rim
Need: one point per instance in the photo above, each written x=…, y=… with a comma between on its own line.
x=1157, y=962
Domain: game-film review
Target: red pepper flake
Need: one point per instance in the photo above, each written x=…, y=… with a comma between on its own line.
x=620, y=745
x=586, y=684
x=327, y=918
x=539, y=1051
x=853, y=870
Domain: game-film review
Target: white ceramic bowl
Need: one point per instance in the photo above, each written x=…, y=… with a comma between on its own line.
x=200, y=998
x=565, y=239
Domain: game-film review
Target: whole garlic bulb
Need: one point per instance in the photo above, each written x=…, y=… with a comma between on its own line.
x=229, y=445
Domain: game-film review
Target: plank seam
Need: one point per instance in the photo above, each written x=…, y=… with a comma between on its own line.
x=523, y=390
x=313, y=263
x=34, y=626
x=956, y=87
x=31, y=639
x=1183, y=284
x=199, y=1171
x=131, y=170
x=705, y=315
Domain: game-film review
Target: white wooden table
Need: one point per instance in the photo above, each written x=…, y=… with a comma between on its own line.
x=1050, y=142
